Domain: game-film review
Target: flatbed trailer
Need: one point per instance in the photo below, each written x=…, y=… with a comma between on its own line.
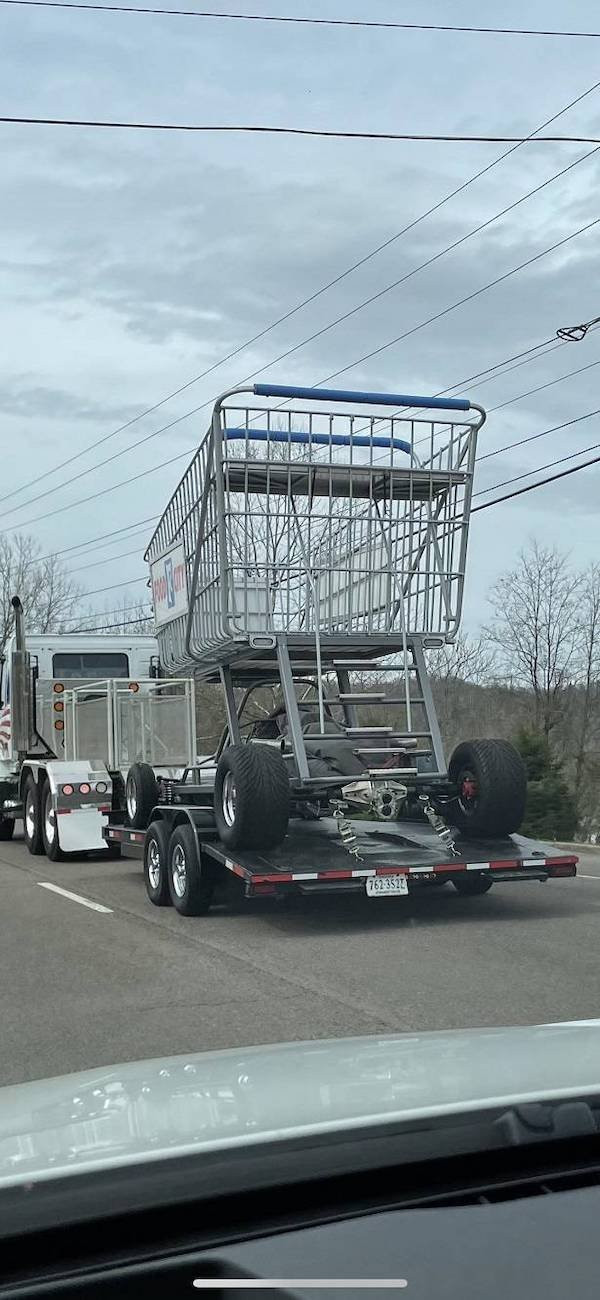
x=387, y=860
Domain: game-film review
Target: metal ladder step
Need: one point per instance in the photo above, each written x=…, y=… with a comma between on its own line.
x=366, y=697
x=391, y=771
x=388, y=749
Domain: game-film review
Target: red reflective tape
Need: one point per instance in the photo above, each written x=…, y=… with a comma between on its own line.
x=508, y=862
x=561, y=862
x=61, y=812
x=391, y=871
x=453, y=866
x=335, y=875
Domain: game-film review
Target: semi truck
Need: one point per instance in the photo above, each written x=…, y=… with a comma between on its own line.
x=305, y=565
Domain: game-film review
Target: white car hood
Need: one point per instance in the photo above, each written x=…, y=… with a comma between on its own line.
x=149, y=1110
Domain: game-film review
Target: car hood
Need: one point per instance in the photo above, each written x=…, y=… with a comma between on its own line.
x=149, y=1110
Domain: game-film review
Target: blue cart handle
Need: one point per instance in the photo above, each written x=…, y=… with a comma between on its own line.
x=324, y=439
x=365, y=399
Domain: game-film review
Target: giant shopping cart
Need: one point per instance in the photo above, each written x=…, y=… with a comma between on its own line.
x=317, y=545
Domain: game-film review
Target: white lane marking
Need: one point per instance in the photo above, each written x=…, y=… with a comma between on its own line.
x=583, y=876
x=75, y=898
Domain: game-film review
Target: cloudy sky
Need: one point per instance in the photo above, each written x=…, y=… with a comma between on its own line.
x=132, y=261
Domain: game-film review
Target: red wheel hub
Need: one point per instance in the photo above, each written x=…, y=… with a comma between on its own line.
x=468, y=788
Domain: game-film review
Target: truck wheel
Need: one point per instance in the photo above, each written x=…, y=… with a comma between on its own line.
x=491, y=785
x=32, y=817
x=7, y=826
x=252, y=797
x=156, y=855
x=471, y=885
x=191, y=889
x=52, y=847
x=141, y=794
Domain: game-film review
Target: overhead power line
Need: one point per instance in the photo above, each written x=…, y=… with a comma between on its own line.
x=51, y=491
x=101, y=537
x=461, y=302
x=109, y=627
x=575, y=333
x=306, y=301
x=560, y=460
x=553, y=478
x=247, y=128
x=530, y=261
x=382, y=24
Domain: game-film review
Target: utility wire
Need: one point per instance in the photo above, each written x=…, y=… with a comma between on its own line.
x=553, y=478
x=246, y=128
x=537, y=470
x=308, y=300
x=51, y=491
x=308, y=22
x=114, y=533
x=530, y=261
x=104, y=491
x=109, y=627
x=575, y=333
x=460, y=302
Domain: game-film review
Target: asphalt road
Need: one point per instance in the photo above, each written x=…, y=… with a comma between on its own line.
x=81, y=988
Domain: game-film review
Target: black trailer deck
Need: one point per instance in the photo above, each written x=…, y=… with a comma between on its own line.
x=313, y=858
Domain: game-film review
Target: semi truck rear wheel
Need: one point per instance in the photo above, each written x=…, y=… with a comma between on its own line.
x=52, y=847
x=32, y=817
x=251, y=797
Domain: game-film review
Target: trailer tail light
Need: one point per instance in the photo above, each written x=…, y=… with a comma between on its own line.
x=59, y=706
x=59, y=724
x=58, y=688
x=85, y=788
x=101, y=787
x=66, y=790
x=134, y=686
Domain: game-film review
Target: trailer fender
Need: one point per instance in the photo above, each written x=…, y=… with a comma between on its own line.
x=81, y=798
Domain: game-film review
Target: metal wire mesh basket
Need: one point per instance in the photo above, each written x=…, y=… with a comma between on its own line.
x=315, y=520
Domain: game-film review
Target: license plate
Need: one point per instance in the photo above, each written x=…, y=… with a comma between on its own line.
x=378, y=886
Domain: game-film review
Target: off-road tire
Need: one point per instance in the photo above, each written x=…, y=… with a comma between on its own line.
x=500, y=778
x=260, y=815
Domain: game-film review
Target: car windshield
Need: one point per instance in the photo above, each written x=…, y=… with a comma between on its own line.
x=299, y=559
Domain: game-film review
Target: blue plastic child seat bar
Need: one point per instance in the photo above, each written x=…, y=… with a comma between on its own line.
x=368, y=399
x=325, y=439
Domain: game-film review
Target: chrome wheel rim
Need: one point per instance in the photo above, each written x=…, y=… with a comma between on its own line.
x=30, y=815
x=154, y=864
x=229, y=799
x=130, y=799
x=179, y=870
x=49, y=820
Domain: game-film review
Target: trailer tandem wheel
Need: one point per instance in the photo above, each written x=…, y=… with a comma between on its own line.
x=191, y=888
x=156, y=855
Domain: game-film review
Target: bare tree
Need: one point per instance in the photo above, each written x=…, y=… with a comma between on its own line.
x=537, y=628
x=467, y=659
x=586, y=719
x=47, y=591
